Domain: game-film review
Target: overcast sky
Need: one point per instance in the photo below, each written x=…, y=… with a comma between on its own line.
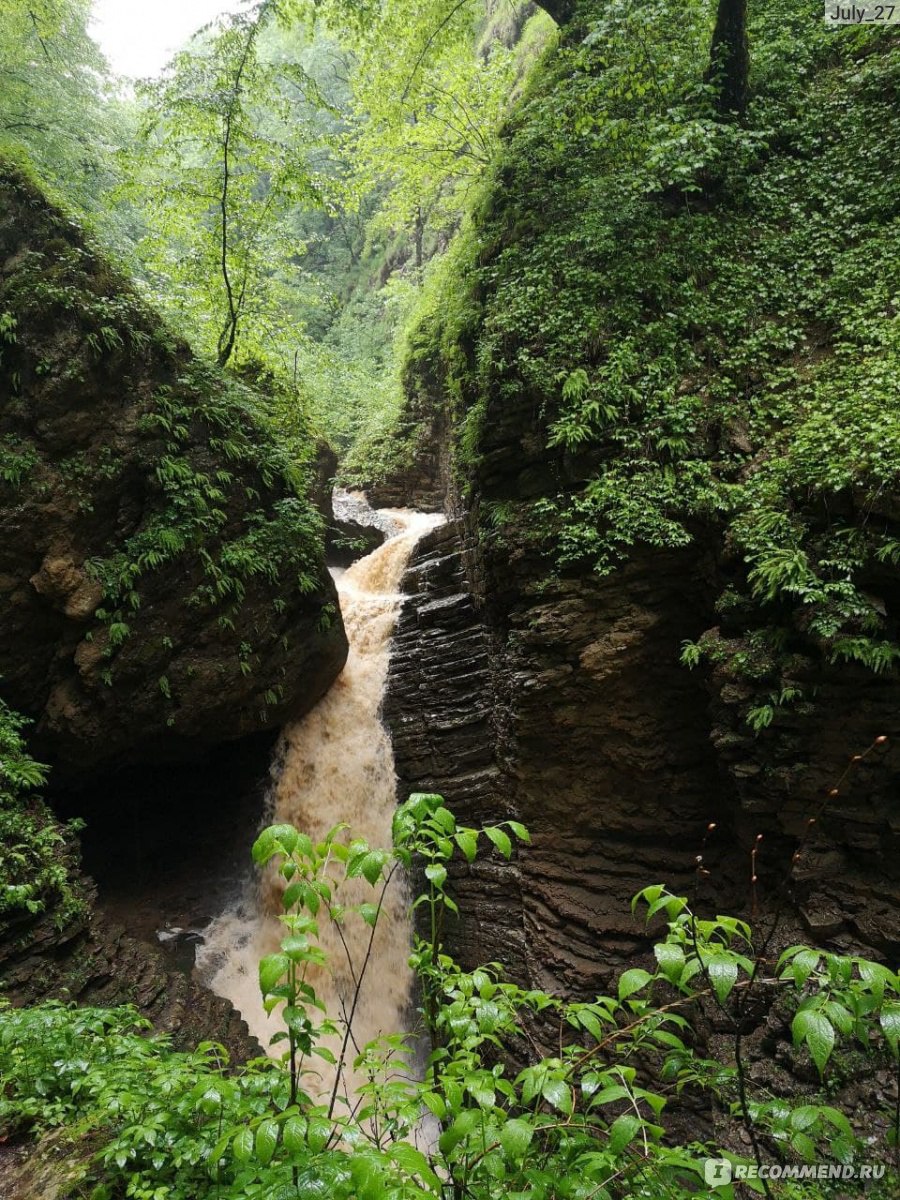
x=139, y=37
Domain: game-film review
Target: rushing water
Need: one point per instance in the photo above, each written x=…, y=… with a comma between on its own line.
x=335, y=765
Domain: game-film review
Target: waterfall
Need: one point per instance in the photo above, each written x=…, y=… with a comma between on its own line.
x=335, y=765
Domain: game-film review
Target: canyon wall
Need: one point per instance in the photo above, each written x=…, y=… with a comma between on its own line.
x=659, y=398
x=163, y=591
x=565, y=706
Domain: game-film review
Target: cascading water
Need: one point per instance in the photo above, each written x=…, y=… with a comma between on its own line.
x=335, y=765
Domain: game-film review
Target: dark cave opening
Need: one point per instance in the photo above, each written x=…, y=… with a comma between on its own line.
x=168, y=845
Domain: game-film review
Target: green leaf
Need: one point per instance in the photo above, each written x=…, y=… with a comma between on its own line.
x=515, y=1138
x=272, y=969
x=622, y=1131
x=632, y=981
x=292, y=894
x=876, y=976
x=462, y=1126
x=482, y=1093
x=804, y=1145
x=414, y=1162
x=519, y=830
x=723, y=973
x=372, y=865
x=295, y=947
x=804, y=1117
x=369, y=913
x=558, y=1093
x=500, y=840
x=243, y=1145
x=889, y=1019
x=817, y=1032
x=467, y=840
x=804, y=964
x=591, y=1022
x=436, y=873
x=266, y=1141
x=435, y=1103
x=263, y=848
x=671, y=960
x=318, y=1134
x=445, y=819
x=609, y=1095
x=838, y=1119
x=277, y=839
x=295, y=1135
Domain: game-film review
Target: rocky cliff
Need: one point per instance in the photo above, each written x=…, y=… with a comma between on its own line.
x=162, y=580
x=674, y=475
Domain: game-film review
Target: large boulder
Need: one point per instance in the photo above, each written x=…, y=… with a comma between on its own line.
x=162, y=580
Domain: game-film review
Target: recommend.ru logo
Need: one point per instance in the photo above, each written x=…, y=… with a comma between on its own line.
x=717, y=1172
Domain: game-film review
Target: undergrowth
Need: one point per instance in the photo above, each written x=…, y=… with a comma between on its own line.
x=587, y=1120
x=36, y=854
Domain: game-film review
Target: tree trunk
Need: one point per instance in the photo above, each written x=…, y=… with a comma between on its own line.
x=729, y=57
x=420, y=241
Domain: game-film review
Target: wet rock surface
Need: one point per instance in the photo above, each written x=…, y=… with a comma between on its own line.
x=440, y=706
x=562, y=702
x=97, y=962
x=566, y=712
x=354, y=529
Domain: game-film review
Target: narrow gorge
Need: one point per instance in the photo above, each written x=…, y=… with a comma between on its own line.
x=335, y=766
x=449, y=600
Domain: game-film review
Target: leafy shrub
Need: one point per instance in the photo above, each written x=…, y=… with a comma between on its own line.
x=700, y=315
x=588, y=1120
x=35, y=854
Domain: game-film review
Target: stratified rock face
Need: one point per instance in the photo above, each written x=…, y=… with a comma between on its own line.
x=562, y=701
x=563, y=704
x=442, y=710
x=162, y=585
x=566, y=710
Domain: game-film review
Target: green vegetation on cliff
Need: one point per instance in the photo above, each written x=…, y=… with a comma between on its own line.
x=689, y=320
x=36, y=854
x=60, y=285
x=161, y=544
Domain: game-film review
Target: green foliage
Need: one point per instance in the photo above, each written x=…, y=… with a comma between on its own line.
x=320, y=159
x=278, y=544
x=587, y=1120
x=226, y=155
x=16, y=460
x=701, y=314
x=58, y=112
x=431, y=89
x=156, y=1114
x=36, y=853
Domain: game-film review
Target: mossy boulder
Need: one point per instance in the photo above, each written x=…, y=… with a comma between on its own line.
x=162, y=579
